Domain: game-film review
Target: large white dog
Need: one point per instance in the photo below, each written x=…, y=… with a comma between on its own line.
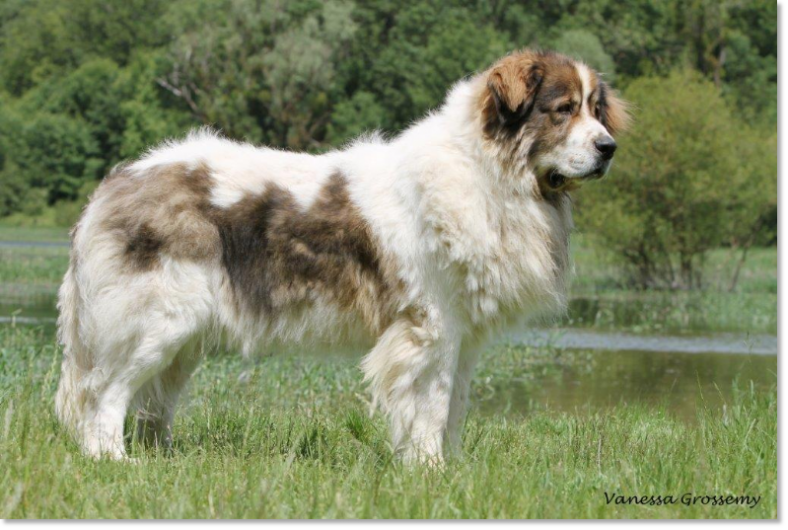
x=416, y=247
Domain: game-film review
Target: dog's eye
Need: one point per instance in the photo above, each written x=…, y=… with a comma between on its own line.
x=566, y=108
x=598, y=110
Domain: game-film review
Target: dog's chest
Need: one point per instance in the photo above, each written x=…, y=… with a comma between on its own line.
x=520, y=266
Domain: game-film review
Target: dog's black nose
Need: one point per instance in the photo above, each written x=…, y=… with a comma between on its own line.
x=606, y=146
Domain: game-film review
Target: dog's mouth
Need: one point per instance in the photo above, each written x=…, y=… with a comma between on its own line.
x=557, y=181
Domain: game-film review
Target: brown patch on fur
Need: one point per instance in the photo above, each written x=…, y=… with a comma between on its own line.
x=280, y=256
x=143, y=247
x=277, y=255
x=512, y=84
x=562, y=86
x=160, y=213
x=519, y=86
x=593, y=91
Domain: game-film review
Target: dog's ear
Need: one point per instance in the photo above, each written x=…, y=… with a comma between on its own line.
x=513, y=84
x=614, y=112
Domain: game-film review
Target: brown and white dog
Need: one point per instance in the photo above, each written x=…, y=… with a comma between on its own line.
x=415, y=247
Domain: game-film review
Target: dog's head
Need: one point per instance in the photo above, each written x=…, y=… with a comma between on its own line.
x=552, y=115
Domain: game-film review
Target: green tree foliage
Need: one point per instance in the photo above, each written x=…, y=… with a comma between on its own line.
x=41, y=39
x=585, y=46
x=85, y=84
x=691, y=176
x=57, y=153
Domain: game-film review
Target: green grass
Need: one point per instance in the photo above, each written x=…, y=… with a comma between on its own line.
x=55, y=234
x=30, y=276
x=598, y=269
x=291, y=437
x=602, y=300
x=674, y=313
x=33, y=265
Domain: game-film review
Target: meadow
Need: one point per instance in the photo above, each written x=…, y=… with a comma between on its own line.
x=295, y=437
x=292, y=437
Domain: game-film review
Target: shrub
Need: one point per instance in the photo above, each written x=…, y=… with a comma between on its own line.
x=691, y=176
x=59, y=155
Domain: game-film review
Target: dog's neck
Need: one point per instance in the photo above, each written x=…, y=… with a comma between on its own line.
x=507, y=245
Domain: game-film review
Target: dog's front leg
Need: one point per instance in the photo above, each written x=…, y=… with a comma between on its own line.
x=461, y=389
x=411, y=370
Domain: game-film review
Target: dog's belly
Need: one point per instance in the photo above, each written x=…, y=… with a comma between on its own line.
x=319, y=327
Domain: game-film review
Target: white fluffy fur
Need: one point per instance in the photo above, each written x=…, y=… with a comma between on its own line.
x=476, y=247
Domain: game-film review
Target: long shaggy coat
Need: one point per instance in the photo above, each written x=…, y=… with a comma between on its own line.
x=415, y=248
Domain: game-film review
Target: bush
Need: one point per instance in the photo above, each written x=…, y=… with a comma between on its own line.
x=67, y=212
x=690, y=177
x=59, y=155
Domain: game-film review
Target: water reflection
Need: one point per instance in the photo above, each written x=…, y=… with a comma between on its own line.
x=41, y=312
x=565, y=338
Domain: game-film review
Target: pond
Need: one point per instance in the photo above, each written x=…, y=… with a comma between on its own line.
x=684, y=383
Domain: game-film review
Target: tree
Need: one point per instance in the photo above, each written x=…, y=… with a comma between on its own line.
x=310, y=75
x=40, y=39
x=691, y=176
x=263, y=71
x=585, y=46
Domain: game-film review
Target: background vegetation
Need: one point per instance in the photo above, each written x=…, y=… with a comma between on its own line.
x=85, y=84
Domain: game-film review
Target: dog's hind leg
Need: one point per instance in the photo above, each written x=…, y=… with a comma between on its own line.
x=157, y=400
x=117, y=382
x=411, y=370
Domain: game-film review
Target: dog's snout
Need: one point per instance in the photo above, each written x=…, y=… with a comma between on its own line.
x=606, y=147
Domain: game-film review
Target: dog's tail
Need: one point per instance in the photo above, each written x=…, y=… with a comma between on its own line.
x=72, y=393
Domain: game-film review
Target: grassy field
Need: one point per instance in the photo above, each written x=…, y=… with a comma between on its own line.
x=33, y=233
x=291, y=437
x=598, y=270
x=30, y=276
x=602, y=299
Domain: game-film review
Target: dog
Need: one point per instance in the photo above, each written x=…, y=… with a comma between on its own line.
x=418, y=248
